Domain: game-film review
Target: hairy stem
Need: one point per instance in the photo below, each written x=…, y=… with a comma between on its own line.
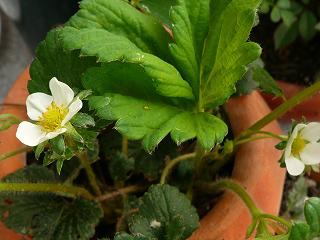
x=118, y=192
x=167, y=170
x=283, y=108
x=14, y=152
x=239, y=190
x=90, y=173
x=277, y=219
x=59, y=189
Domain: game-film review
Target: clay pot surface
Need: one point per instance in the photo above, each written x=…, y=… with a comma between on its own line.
x=256, y=167
x=15, y=100
x=310, y=109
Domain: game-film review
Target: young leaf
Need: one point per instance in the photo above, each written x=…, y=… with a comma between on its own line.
x=227, y=52
x=7, y=120
x=52, y=61
x=164, y=213
x=44, y=215
x=312, y=215
x=122, y=19
x=275, y=14
x=120, y=166
x=307, y=25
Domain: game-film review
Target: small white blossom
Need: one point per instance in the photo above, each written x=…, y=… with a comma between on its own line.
x=49, y=113
x=302, y=148
x=155, y=224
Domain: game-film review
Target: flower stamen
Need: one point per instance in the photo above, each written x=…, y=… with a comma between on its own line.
x=51, y=120
x=298, y=145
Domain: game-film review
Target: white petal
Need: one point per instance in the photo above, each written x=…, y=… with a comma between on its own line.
x=61, y=92
x=37, y=103
x=74, y=107
x=294, y=166
x=311, y=154
x=287, y=152
x=56, y=133
x=311, y=132
x=30, y=134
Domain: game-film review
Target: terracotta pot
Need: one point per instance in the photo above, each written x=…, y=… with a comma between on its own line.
x=310, y=109
x=256, y=167
x=15, y=101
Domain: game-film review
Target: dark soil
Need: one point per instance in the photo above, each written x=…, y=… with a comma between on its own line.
x=296, y=63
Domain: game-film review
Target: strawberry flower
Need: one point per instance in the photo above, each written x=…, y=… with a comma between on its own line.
x=302, y=148
x=49, y=113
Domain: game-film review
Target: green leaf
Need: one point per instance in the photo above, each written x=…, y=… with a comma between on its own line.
x=258, y=77
x=288, y=17
x=296, y=198
x=125, y=236
x=275, y=14
x=190, y=20
x=7, y=120
x=82, y=120
x=120, y=166
x=159, y=9
x=58, y=145
x=152, y=121
x=109, y=47
x=307, y=25
x=164, y=213
x=52, y=61
x=300, y=231
x=44, y=215
x=284, y=35
x=312, y=215
x=227, y=52
x=284, y=4
x=39, y=149
x=122, y=19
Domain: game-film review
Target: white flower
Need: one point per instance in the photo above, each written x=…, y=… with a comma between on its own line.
x=50, y=113
x=303, y=148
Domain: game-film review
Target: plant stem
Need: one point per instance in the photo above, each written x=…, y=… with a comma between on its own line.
x=277, y=219
x=59, y=189
x=167, y=170
x=198, y=164
x=14, y=152
x=238, y=189
x=91, y=176
x=283, y=108
x=118, y=192
x=73, y=175
x=250, y=139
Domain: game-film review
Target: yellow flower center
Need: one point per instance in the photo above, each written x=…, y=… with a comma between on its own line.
x=51, y=120
x=298, y=145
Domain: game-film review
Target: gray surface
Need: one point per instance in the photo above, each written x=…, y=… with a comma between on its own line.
x=14, y=55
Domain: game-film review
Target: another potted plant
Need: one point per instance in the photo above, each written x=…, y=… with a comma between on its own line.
x=108, y=88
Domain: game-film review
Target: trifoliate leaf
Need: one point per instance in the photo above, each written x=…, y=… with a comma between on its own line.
x=52, y=61
x=227, y=52
x=122, y=19
x=7, y=120
x=152, y=121
x=312, y=215
x=164, y=214
x=46, y=216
